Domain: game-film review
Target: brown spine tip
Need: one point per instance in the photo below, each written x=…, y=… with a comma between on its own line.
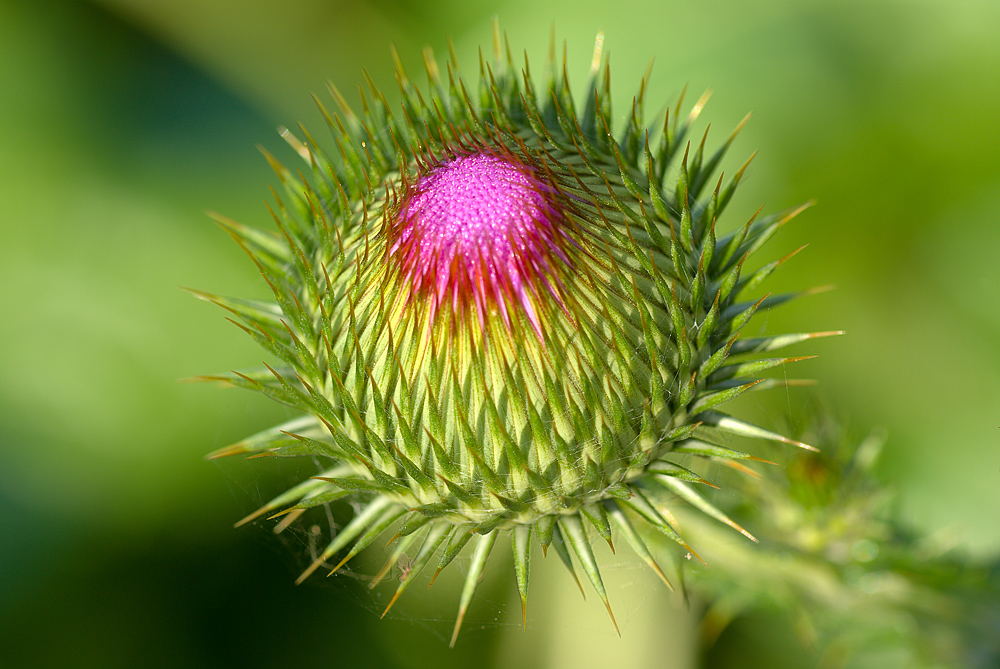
x=293, y=515
x=458, y=626
x=663, y=577
x=391, y=602
x=614, y=622
x=313, y=567
x=256, y=514
x=340, y=564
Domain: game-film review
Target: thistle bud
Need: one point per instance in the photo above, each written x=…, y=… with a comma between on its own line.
x=498, y=319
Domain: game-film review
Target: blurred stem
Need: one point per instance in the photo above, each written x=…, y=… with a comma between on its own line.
x=658, y=631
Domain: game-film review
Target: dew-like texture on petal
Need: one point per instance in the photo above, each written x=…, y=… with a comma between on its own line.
x=480, y=228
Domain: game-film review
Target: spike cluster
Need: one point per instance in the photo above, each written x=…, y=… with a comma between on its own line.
x=498, y=318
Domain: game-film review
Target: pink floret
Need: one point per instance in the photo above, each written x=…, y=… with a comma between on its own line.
x=476, y=232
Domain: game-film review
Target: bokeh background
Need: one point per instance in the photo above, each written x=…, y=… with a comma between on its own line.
x=123, y=121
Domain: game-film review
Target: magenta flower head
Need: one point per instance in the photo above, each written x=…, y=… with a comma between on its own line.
x=478, y=231
x=497, y=318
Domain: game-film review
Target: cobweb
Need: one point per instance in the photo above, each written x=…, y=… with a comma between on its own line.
x=496, y=605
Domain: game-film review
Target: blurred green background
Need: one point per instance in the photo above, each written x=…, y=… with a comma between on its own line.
x=123, y=121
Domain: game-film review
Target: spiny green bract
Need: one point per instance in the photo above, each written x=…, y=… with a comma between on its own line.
x=538, y=383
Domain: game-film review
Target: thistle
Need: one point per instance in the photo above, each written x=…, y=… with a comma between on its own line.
x=499, y=319
x=857, y=585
